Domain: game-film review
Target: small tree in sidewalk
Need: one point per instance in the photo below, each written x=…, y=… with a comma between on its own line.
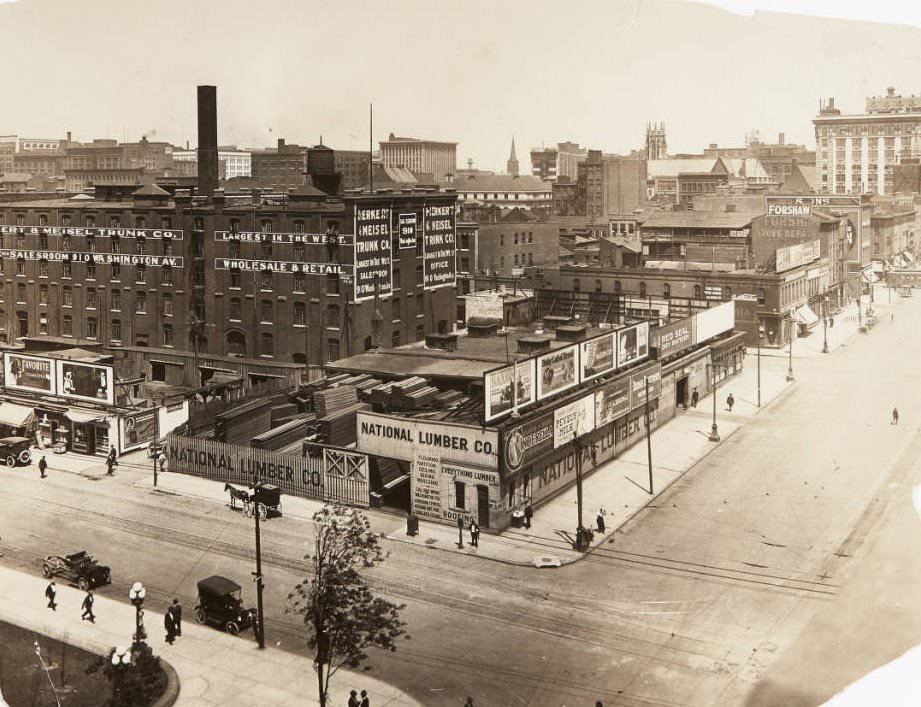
x=342, y=615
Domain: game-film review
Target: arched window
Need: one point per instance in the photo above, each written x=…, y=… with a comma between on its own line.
x=698, y=291
x=236, y=343
x=760, y=295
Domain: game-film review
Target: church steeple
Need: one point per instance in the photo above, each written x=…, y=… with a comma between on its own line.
x=512, y=166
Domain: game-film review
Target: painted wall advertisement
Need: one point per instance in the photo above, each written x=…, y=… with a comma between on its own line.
x=573, y=420
x=279, y=266
x=29, y=373
x=632, y=343
x=85, y=381
x=373, y=267
x=527, y=442
x=597, y=356
x=673, y=338
x=471, y=478
x=714, y=321
x=612, y=401
x=439, y=248
x=407, y=233
x=508, y=387
x=403, y=438
x=426, y=494
x=798, y=254
x=556, y=371
x=137, y=429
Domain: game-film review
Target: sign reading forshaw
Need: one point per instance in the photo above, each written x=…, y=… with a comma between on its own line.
x=405, y=438
x=373, y=267
x=439, y=246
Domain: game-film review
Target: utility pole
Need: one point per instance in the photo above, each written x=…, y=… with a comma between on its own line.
x=790, y=377
x=825, y=323
x=260, y=618
x=714, y=431
x=649, y=435
x=580, y=530
x=759, y=365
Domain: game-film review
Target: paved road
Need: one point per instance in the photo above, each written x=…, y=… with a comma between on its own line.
x=691, y=605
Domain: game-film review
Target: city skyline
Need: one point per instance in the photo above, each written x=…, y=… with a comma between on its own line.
x=622, y=66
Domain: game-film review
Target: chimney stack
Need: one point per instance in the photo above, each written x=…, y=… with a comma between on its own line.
x=781, y=139
x=207, y=140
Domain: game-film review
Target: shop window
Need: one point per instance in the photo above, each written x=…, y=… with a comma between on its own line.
x=158, y=371
x=460, y=497
x=91, y=328
x=168, y=335
x=395, y=338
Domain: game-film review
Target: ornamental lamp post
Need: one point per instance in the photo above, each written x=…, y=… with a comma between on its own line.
x=136, y=594
x=825, y=324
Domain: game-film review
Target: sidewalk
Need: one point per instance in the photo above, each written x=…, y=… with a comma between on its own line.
x=214, y=668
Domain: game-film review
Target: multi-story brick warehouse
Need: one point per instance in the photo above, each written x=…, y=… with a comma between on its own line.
x=180, y=287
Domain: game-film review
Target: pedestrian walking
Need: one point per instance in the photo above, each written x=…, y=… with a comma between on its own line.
x=176, y=608
x=51, y=591
x=599, y=521
x=365, y=702
x=730, y=401
x=695, y=396
x=161, y=460
x=42, y=466
x=111, y=463
x=353, y=699
x=895, y=416
x=469, y=702
x=87, y=607
x=528, y=514
x=170, y=625
x=474, y=534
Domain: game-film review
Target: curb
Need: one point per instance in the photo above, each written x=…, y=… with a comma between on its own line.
x=171, y=692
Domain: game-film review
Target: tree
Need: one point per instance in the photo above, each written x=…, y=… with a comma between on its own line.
x=343, y=617
x=138, y=682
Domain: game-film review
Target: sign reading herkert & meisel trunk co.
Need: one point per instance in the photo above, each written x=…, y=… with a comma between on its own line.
x=439, y=246
x=373, y=264
x=404, y=438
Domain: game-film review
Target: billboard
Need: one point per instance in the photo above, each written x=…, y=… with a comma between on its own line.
x=139, y=428
x=86, y=381
x=33, y=373
x=282, y=266
x=501, y=385
x=632, y=343
x=439, y=246
x=673, y=338
x=651, y=373
x=556, y=371
x=714, y=321
x=373, y=266
x=527, y=442
x=405, y=438
x=573, y=420
x=597, y=356
x=407, y=232
x=612, y=401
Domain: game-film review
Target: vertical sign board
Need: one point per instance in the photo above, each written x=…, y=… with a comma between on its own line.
x=373, y=264
x=32, y=373
x=439, y=246
x=597, y=356
x=407, y=231
x=612, y=401
x=426, y=495
x=632, y=343
x=85, y=381
x=500, y=388
x=638, y=380
x=573, y=420
x=556, y=371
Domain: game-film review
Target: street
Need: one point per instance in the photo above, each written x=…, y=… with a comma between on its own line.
x=698, y=599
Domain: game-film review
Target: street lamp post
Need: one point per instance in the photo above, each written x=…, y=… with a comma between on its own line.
x=648, y=435
x=825, y=324
x=714, y=430
x=581, y=545
x=121, y=659
x=260, y=618
x=38, y=652
x=136, y=594
x=759, y=365
x=790, y=377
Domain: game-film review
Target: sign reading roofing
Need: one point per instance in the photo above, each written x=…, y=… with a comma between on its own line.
x=439, y=250
x=373, y=266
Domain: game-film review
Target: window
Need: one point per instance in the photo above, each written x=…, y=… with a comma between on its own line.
x=67, y=325
x=91, y=298
x=65, y=220
x=396, y=277
x=91, y=244
x=141, y=340
x=21, y=292
x=332, y=349
x=166, y=276
x=91, y=328
x=299, y=252
x=116, y=272
x=642, y=289
x=266, y=226
x=140, y=303
x=116, y=330
x=234, y=278
x=43, y=323
x=43, y=294
x=368, y=343
x=167, y=246
x=576, y=286
x=459, y=495
x=114, y=222
x=140, y=245
x=233, y=249
x=761, y=295
x=140, y=274
x=20, y=240
x=115, y=300
x=235, y=308
x=66, y=269
x=265, y=250
x=166, y=222
x=332, y=315
x=298, y=226
x=67, y=296
x=395, y=338
x=698, y=291
x=420, y=332
x=727, y=293
x=666, y=290
x=167, y=305
x=234, y=225
x=115, y=244
x=91, y=271
x=300, y=314
x=43, y=219
x=90, y=221
x=43, y=268
x=266, y=280
x=266, y=343
x=395, y=308
x=139, y=222
x=332, y=283
x=300, y=282
x=43, y=241
x=20, y=219
x=265, y=311
x=501, y=239
x=20, y=266
x=168, y=335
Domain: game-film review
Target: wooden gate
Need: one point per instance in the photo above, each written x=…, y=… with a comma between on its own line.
x=346, y=477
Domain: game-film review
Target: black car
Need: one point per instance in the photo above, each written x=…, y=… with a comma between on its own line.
x=80, y=568
x=15, y=450
x=220, y=603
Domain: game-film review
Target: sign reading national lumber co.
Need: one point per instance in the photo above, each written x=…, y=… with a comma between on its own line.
x=404, y=438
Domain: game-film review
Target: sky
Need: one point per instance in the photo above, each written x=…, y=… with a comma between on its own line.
x=476, y=72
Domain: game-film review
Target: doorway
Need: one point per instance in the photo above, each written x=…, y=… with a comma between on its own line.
x=681, y=392
x=482, y=506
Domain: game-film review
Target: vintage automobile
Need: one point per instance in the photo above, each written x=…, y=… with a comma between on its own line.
x=80, y=568
x=220, y=603
x=15, y=450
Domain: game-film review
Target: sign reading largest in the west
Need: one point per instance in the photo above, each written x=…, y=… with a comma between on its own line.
x=439, y=247
x=373, y=263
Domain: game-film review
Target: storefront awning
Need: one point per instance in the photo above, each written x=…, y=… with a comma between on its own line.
x=84, y=416
x=806, y=316
x=15, y=415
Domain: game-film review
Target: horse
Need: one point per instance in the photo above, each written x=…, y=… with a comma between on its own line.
x=236, y=495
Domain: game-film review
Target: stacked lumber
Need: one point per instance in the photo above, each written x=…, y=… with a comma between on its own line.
x=449, y=398
x=332, y=399
x=283, y=435
x=340, y=427
x=420, y=398
x=380, y=395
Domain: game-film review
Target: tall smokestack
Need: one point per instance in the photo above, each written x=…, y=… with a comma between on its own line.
x=207, y=140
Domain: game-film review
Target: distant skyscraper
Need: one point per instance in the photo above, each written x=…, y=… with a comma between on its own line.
x=512, y=166
x=656, y=147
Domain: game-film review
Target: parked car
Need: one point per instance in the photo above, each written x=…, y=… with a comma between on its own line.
x=80, y=568
x=220, y=603
x=15, y=450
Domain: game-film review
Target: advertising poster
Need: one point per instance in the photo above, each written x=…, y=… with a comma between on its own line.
x=86, y=381
x=527, y=442
x=29, y=373
x=715, y=321
x=556, y=371
x=501, y=387
x=673, y=338
x=651, y=373
x=597, y=356
x=612, y=401
x=439, y=251
x=139, y=429
x=373, y=266
x=407, y=235
x=632, y=344
x=425, y=491
x=573, y=420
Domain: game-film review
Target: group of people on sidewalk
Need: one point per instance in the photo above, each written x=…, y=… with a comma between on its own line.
x=354, y=702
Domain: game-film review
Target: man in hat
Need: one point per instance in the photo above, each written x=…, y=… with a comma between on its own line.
x=51, y=591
